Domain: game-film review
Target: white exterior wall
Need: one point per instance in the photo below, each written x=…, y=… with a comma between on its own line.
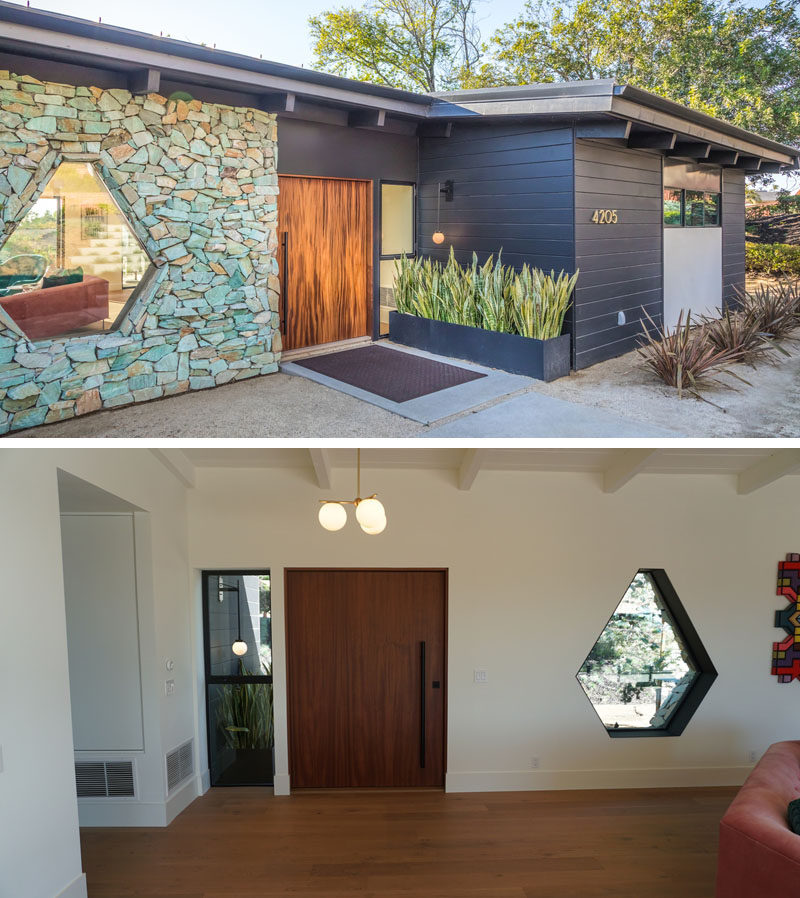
x=692, y=273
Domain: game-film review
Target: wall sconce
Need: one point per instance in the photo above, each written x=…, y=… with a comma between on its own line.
x=447, y=190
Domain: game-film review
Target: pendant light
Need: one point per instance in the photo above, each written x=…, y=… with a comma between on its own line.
x=239, y=646
x=447, y=190
x=370, y=512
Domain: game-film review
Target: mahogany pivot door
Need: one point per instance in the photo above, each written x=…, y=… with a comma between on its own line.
x=366, y=677
x=325, y=228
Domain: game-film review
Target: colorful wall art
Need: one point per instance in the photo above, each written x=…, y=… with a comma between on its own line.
x=786, y=654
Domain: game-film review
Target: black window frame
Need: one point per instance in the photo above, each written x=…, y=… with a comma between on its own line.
x=388, y=257
x=706, y=672
x=684, y=223
x=214, y=679
x=683, y=211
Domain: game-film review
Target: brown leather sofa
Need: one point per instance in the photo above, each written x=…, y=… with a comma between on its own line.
x=58, y=310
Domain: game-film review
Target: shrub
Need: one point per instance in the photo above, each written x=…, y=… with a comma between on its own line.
x=491, y=296
x=684, y=358
x=739, y=331
x=773, y=310
x=772, y=258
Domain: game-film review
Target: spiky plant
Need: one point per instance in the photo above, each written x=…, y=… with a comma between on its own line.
x=684, y=358
x=244, y=712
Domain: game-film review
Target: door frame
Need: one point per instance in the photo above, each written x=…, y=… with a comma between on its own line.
x=373, y=570
x=369, y=297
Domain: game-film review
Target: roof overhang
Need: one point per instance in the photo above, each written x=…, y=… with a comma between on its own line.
x=603, y=109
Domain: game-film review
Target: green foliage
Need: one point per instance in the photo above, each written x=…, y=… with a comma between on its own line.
x=722, y=57
x=492, y=296
x=772, y=258
x=422, y=45
x=784, y=204
x=244, y=712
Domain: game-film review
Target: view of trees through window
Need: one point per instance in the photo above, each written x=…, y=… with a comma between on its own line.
x=639, y=670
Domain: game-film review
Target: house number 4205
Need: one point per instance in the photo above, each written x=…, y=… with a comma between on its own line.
x=605, y=216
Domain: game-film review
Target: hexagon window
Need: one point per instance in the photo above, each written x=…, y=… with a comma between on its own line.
x=73, y=263
x=648, y=671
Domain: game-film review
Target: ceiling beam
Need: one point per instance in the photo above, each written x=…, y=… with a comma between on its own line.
x=277, y=102
x=435, y=129
x=768, y=470
x=178, y=464
x=471, y=462
x=690, y=149
x=626, y=465
x=321, y=462
x=144, y=81
x=609, y=130
x=367, y=118
x=723, y=157
x=655, y=140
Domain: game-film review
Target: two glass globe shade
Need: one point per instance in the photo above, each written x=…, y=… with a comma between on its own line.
x=370, y=515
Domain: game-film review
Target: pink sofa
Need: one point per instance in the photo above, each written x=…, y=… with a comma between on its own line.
x=759, y=855
x=58, y=310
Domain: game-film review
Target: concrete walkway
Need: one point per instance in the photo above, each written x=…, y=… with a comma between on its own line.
x=532, y=414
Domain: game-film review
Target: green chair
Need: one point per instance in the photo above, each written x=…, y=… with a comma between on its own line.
x=20, y=271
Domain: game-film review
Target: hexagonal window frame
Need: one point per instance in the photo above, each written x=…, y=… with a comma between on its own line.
x=697, y=690
x=147, y=284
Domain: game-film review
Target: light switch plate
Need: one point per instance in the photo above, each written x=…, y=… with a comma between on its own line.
x=481, y=676
x=169, y=687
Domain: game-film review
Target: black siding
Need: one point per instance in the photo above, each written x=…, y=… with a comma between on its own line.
x=733, y=273
x=620, y=265
x=512, y=191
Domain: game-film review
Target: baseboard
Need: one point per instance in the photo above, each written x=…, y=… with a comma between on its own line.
x=76, y=889
x=642, y=778
x=181, y=799
x=205, y=781
x=120, y=812
x=281, y=784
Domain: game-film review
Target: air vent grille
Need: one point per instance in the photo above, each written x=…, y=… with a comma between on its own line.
x=180, y=764
x=104, y=779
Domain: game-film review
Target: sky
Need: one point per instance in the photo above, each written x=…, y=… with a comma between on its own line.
x=276, y=30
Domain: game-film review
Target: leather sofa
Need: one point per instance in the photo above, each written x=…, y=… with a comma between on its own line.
x=54, y=311
x=759, y=855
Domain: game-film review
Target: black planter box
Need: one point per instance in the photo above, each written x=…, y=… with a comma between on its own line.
x=542, y=359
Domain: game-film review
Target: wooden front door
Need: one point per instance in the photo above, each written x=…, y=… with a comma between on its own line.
x=325, y=228
x=366, y=677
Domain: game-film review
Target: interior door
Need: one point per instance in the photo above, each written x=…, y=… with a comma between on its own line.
x=366, y=677
x=325, y=228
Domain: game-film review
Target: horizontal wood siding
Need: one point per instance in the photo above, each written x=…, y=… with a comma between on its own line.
x=732, y=233
x=512, y=191
x=620, y=264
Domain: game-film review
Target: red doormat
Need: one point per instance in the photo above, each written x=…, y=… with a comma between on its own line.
x=398, y=376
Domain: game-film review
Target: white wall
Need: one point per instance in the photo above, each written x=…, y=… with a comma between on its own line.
x=692, y=273
x=102, y=632
x=537, y=564
x=39, y=848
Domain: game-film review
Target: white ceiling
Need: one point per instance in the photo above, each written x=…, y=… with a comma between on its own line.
x=754, y=467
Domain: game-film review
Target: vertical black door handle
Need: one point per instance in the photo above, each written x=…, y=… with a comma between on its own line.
x=422, y=704
x=285, y=285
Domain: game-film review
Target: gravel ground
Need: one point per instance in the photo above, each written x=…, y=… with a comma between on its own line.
x=770, y=407
x=282, y=406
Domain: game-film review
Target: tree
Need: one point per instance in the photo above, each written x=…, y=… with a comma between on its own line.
x=425, y=45
x=729, y=60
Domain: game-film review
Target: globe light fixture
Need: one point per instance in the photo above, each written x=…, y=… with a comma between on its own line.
x=447, y=190
x=370, y=513
x=239, y=646
x=332, y=515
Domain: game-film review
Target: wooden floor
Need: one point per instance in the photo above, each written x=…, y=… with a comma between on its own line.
x=246, y=843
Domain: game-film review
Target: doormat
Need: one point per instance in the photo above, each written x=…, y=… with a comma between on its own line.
x=393, y=375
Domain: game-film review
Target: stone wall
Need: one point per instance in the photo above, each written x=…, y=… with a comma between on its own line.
x=198, y=184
